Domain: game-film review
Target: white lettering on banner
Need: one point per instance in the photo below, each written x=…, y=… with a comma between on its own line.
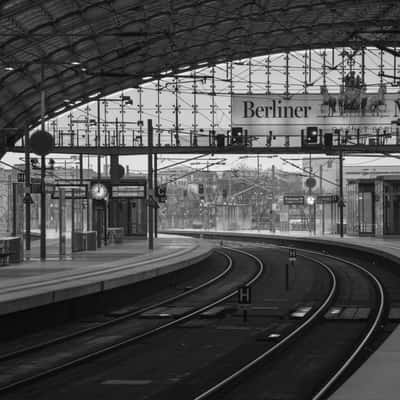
x=262, y=114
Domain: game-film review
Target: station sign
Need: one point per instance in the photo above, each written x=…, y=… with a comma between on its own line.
x=279, y=116
x=289, y=200
x=131, y=191
x=283, y=115
x=327, y=198
x=76, y=191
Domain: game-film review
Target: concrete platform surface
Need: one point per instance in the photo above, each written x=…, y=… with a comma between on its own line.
x=34, y=283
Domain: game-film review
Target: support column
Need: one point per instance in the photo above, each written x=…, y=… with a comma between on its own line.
x=43, y=208
x=98, y=142
x=27, y=192
x=155, y=185
x=341, y=202
x=150, y=189
x=42, y=173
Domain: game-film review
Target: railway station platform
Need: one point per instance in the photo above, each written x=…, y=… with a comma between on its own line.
x=34, y=283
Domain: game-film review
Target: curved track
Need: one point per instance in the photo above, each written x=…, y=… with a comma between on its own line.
x=283, y=383
x=205, y=296
x=275, y=354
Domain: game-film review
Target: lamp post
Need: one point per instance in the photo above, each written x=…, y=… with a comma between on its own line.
x=150, y=190
x=43, y=169
x=341, y=201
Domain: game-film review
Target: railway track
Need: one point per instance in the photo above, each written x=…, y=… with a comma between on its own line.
x=308, y=357
x=10, y=361
x=259, y=386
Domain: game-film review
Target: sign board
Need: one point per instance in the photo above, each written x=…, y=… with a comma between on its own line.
x=293, y=200
x=244, y=295
x=327, y=198
x=75, y=191
x=136, y=191
x=292, y=254
x=283, y=116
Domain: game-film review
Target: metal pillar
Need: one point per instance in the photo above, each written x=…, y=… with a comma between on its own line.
x=268, y=74
x=176, y=111
x=42, y=173
x=150, y=189
x=155, y=185
x=43, y=208
x=27, y=191
x=250, y=83
x=287, y=75
x=213, y=106
x=305, y=72
x=323, y=204
x=98, y=141
x=257, y=194
x=72, y=218
x=324, y=72
x=272, y=196
x=81, y=168
x=158, y=112
x=14, y=209
x=310, y=206
x=341, y=202
x=194, y=105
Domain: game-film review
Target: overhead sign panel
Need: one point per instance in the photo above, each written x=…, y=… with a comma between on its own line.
x=281, y=115
x=73, y=191
x=327, y=198
x=137, y=191
x=289, y=200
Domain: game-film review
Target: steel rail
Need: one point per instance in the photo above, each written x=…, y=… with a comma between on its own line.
x=333, y=379
x=80, y=332
x=87, y=357
x=328, y=385
x=222, y=384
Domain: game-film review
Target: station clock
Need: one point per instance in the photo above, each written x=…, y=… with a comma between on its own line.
x=99, y=191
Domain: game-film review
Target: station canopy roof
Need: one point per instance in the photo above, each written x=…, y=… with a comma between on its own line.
x=81, y=47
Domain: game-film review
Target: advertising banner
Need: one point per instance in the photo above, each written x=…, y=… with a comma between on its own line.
x=279, y=115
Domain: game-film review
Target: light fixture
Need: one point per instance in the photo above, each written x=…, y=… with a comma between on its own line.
x=9, y=68
x=59, y=109
x=75, y=63
x=310, y=200
x=93, y=95
x=185, y=67
x=166, y=72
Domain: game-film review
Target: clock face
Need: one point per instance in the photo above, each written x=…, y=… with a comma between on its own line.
x=99, y=191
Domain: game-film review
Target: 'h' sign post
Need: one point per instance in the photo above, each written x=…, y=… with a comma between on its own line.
x=244, y=299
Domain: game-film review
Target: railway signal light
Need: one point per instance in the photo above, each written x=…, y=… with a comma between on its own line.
x=161, y=193
x=312, y=134
x=201, y=188
x=237, y=135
